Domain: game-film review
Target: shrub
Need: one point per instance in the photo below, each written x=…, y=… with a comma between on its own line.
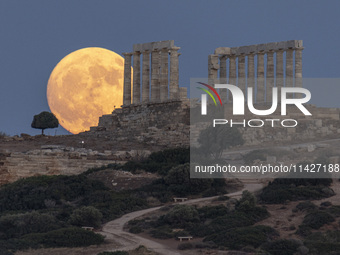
x=282, y=247
x=163, y=232
x=201, y=230
x=17, y=225
x=65, y=237
x=326, y=204
x=282, y=190
x=245, y=236
x=303, y=181
x=179, y=181
x=181, y=215
x=211, y=212
x=136, y=230
x=161, y=162
x=237, y=219
x=324, y=243
x=104, y=167
x=12, y=245
x=86, y=216
x=304, y=230
x=306, y=205
x=31, y=193
x=334, y=210
x=247, y=202
x=317, y=219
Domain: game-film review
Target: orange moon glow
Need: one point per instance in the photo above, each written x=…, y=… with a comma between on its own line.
x=84, y=85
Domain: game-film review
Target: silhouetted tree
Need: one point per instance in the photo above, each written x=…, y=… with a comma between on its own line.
x=44, y=120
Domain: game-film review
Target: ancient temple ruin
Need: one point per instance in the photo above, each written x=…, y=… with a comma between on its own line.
x=236, y=65
x=160, y=80
x=156, y=111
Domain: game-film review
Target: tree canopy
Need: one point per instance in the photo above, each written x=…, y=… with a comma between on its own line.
x=44, y=120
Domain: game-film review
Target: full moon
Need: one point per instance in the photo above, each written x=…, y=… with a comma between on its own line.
x=85, y=85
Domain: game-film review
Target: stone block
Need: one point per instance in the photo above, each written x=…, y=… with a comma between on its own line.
x=222, y=51
x=153, y=46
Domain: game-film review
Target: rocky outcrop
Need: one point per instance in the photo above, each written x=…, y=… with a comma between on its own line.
x=57, y=160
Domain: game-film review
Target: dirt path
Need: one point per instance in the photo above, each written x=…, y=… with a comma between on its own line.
x=113, y=230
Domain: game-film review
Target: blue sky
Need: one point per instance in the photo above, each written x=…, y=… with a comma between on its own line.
x=37, y=34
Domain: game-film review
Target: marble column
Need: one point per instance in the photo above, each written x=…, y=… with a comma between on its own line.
x=260, y=94
x=232, y=70
x=223, y=69
x=223, y=77
x=136, y=77
x=213, y=68
x=232, y=73
x=146, y=77
x=155, y=73
x=251, y=71
x=127, y=79
x=242, y=73
x=279, y=69
x=298, y=69
x=164, y=75
x=174, y=73
x=270, y=76
x=289, y=67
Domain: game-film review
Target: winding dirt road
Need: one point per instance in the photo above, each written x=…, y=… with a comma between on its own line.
x=114, y=229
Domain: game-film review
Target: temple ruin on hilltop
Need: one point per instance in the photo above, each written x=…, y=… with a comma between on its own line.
x=288, y=56
x=156, y=111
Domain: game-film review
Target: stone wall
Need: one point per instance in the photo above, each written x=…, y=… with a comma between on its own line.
x=56, y=160
x=165, y=124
